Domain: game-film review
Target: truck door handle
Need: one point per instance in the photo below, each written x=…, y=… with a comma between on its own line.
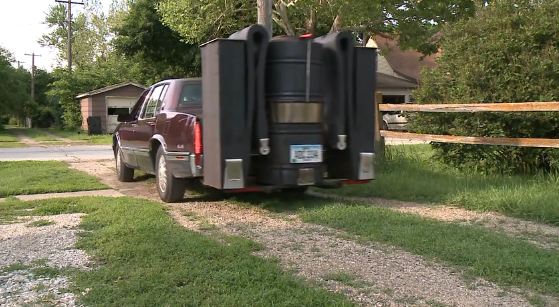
x=151, y=123
x=134, y=125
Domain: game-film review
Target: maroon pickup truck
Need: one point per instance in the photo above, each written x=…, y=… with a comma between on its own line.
x=162, y=136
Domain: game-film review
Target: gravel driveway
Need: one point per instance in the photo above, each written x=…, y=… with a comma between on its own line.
x=373, y=274
x=26, y=251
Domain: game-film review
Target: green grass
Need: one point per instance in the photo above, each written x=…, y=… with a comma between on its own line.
x=83, y=136
x=347, y=279
x=147, y=259
x=40, y=223
x=36, y=134
x=8, y=140
x=53, y=136
x=18, y=266
x=411, y=174
x=34, y=177
x=478, y=251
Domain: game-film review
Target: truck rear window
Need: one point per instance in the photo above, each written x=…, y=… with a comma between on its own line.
x=191, y=94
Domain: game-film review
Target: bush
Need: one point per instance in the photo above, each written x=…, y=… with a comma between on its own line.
x=13, y=121
x=507, y=52
x=44, y=118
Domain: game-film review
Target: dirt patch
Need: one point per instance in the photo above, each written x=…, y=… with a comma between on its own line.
x=61, y=139
x=25, y=139
x=32, y=257
x=541, y=235
x=103, y=193
x=143, y=186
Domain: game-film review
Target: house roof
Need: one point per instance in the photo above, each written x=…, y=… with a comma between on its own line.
x=407, y=63
x=109, y=88
x=385, y=81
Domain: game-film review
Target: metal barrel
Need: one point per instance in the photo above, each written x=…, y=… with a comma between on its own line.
x=294, y=97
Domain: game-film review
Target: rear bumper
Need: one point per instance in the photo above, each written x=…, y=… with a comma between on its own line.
x=183, y=164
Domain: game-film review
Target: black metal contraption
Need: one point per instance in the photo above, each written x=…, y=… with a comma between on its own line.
x=287, y=112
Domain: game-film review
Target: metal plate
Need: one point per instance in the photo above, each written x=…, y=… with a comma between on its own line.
x=366, y=166
x=234, y=178
x=305, y=154
x=306, y=176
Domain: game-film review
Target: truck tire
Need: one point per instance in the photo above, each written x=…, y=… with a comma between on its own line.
x=170, y=189
x=123, y=172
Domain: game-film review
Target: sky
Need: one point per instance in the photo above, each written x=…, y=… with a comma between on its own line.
x=22, y=25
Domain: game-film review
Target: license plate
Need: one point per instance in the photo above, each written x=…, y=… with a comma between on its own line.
x=306, y=154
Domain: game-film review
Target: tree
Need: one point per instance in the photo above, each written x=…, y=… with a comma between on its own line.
x=14, y=93
x=90, y=34
x=508, y=52
x=95, y=63
x=413, y=22
x=142, y=37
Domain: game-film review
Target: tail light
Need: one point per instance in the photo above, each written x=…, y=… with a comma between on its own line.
x=198, y=147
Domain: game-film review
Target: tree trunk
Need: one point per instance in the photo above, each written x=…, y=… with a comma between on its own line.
x=336, y=25
x=311, y=22
x=283, y=19
x=264, y=8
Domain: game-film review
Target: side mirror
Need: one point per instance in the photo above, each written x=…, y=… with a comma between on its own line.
x=122, y=118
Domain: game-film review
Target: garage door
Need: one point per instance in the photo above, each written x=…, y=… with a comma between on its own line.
x=116, y=106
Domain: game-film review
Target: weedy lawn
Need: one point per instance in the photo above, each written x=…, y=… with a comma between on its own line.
x=146, y=259
x=37, y=134
x=8, y=140
x=83, y=136
x=34, y=177
x=410, y=173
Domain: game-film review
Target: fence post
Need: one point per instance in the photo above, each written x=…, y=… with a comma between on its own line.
x=379, y=139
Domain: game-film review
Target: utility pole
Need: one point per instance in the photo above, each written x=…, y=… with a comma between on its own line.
x=19, y=63
x=265, y=8
x=69, y=25
x=32, y=55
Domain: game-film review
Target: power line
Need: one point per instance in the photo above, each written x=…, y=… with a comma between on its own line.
x=32, y=55
x=69, y=23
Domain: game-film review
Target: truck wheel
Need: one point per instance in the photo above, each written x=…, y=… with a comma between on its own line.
x=170, y=189
x=123, y=172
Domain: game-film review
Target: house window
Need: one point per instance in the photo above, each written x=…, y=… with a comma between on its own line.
x=393, y=98
x=117, y=111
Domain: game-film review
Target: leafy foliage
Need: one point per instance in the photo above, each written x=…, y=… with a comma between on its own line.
x=198, y=21
x=508, y=52
x=96, y=65
x=85, y=78
x=89, y=34
x=414, y=22
x=14, y=94
x=140, y=35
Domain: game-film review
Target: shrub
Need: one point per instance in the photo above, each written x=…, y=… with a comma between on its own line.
x=507, y=52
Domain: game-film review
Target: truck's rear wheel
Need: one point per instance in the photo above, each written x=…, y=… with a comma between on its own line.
x=170, y=189
x=123, y=172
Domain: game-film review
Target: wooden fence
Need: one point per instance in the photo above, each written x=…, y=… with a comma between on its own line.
x=468, y=108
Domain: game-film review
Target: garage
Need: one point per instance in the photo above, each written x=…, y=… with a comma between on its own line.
x=107, y=103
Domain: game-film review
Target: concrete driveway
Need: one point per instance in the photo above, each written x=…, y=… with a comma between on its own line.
x=60, y=153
